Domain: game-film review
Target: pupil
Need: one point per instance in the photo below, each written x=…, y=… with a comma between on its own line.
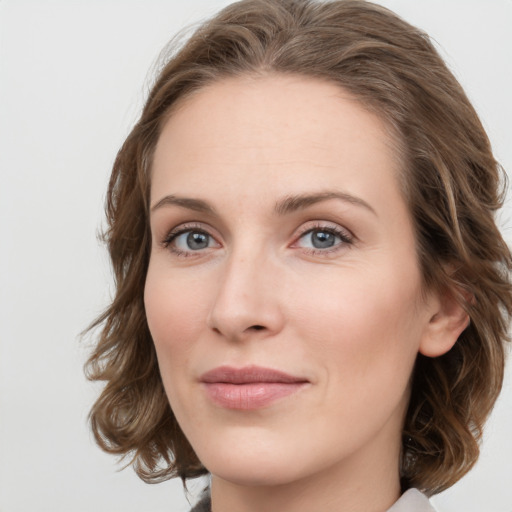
x=322, y=239
x=196, y=241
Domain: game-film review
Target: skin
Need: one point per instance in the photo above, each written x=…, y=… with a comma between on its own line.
x=349, y=318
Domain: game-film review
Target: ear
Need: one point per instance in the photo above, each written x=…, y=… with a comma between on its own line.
x=447, y=322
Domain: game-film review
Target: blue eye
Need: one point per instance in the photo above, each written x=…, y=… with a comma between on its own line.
x=196, y=241
x=323, y=238
x=189, y=240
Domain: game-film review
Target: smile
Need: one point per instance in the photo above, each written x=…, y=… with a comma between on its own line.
x=248, y=388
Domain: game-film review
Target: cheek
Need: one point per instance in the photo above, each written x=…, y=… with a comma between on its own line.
x=362, y=326
x=176, y=308
x=175, y=311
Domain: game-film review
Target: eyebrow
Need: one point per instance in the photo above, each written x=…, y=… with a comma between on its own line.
x=288, y=204
x=197, y=205
x=301, y=201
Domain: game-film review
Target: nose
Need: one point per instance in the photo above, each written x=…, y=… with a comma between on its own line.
x=248, y=301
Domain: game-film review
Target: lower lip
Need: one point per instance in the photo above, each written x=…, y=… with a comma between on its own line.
x=254, y=395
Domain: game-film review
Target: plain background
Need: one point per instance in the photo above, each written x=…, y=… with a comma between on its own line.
x=73, y=76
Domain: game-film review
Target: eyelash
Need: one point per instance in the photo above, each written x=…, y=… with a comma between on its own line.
x=346, y=239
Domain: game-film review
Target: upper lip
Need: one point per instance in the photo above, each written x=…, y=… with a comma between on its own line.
x=248, y=375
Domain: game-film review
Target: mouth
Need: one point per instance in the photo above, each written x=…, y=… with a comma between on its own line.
x=250, y=387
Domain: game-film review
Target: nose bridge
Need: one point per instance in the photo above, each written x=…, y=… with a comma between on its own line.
x=247, y=299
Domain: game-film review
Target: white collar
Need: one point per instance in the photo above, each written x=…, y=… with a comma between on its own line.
x=412, y=501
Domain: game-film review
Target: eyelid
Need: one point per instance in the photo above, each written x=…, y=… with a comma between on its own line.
x=327, y=226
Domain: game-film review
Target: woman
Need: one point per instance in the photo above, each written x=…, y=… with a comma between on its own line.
x=312, y=295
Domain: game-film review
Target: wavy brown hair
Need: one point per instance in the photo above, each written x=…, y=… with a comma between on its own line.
x=451, y=182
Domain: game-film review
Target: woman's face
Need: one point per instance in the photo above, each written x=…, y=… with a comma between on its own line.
x=283, y=292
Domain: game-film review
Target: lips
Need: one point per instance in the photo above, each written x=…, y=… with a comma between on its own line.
x=251, y=387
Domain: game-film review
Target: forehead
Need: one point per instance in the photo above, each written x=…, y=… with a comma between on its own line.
x=270, y=132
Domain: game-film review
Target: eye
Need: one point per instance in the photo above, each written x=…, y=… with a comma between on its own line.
x=192, y=240
x=185, y=240
x=320, y=239
x=324, y=239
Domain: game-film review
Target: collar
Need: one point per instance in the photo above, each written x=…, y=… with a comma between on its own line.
x=412, y=500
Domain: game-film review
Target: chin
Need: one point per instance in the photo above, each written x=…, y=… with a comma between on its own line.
x=251, y=460
x=260, y=473
x=264, y=460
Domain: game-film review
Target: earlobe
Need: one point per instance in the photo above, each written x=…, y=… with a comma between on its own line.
x=444, y=327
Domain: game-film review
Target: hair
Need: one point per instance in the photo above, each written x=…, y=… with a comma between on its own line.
x=451, y=182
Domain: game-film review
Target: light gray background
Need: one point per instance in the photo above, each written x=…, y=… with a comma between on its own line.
x=73, y=75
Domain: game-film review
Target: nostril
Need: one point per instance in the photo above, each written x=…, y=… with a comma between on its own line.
x=257, y=327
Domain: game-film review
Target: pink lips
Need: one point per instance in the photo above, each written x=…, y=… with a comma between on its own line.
x=251, y=387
